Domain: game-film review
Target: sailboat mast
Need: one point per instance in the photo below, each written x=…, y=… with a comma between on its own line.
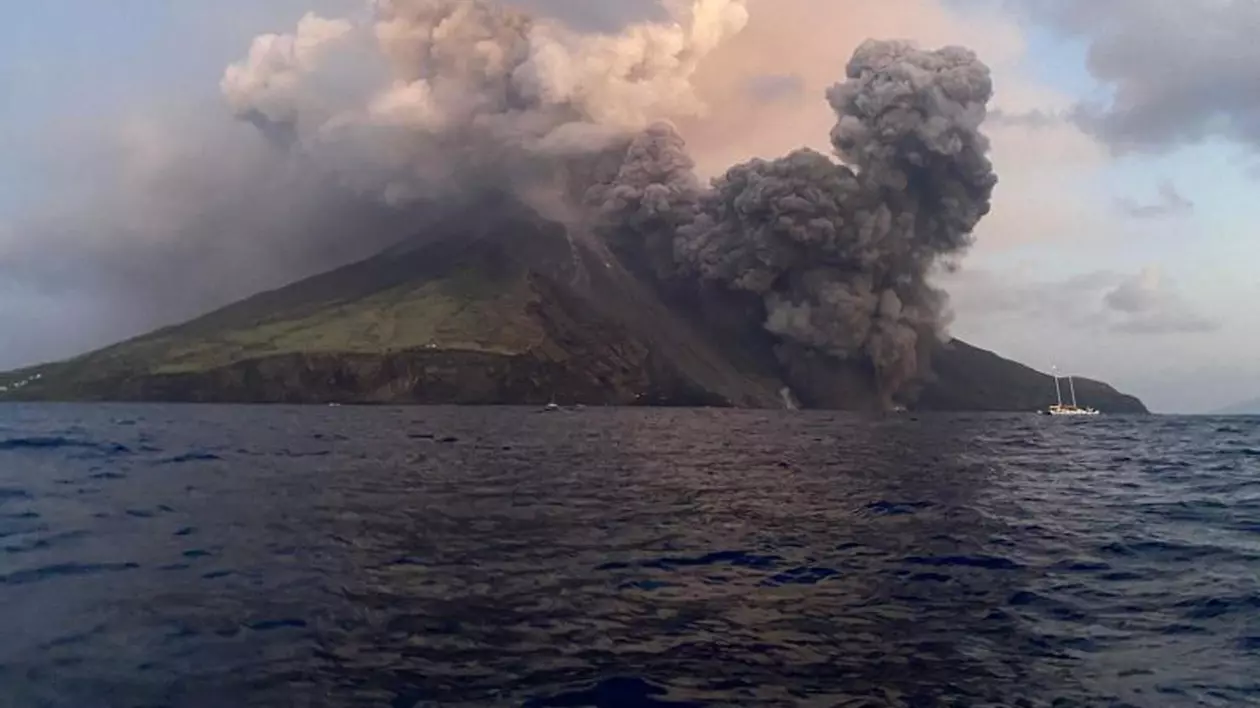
x=1058, y=392
x=1072, y=386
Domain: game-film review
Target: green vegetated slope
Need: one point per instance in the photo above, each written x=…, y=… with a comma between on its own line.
x=488, y=315
x=500, y=308
x=461, y=312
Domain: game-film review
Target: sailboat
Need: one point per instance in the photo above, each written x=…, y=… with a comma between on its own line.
x=1069, y=409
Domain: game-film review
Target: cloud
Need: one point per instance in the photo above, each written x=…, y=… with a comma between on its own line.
x=1170, y=202
x=1178, y=71
x=1148, y=303
x=1102, y=301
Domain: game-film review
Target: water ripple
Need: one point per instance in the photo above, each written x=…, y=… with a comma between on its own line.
x=470, y=557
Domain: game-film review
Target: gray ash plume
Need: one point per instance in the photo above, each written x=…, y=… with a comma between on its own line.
x=647, y=198
x=841, y=253
x=837, y=249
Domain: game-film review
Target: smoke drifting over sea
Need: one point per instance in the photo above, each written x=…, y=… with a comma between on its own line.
x=443, y=97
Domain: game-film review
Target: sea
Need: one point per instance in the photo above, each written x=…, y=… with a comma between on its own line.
x=399, y=557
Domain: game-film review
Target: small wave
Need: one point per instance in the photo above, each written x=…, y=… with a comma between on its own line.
x=37, y=443
x=985, y=562
x=295, y=455
x=1234, y=429
x=192, y=457
x=1164, y=551
x=1122, y=576
x=889, y=508
x=274, y=624
x=41, y=544
x=21, y=516
x=23, y=577
x=58, y=442
x=1081, y=566
x=613, y=692
x=648, y=585
x=10, y=493
x=801, y=576
x=1053, y=607
x=1213, y=607
x=736, y=558
x=1182, y=629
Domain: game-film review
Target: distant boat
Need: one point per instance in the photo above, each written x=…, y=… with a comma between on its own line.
x=1069, y=409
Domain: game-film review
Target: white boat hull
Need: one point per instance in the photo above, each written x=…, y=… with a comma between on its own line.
x=1072, y=411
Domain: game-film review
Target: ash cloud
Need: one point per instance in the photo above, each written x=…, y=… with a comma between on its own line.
x=327, y=144
x=361, y=124
x=469, y=91
x=839, y=248
x=841, y=252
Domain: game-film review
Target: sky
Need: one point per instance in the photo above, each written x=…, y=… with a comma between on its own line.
x=1124, y=134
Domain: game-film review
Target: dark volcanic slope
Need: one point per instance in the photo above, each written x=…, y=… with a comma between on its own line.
x=496, y=312
x=970, y=378
x=500, y=306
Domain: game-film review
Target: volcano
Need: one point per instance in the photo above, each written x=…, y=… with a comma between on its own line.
x=497, y=305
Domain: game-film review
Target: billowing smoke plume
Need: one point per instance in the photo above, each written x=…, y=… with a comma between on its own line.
x=444, y=93
x=651, y=196
x=841, y=252
x=462, y=93
x=369, y=120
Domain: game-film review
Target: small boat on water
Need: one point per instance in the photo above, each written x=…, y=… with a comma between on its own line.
x=1070, y=409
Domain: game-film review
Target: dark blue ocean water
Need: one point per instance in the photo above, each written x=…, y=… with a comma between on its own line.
x=231, y=556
